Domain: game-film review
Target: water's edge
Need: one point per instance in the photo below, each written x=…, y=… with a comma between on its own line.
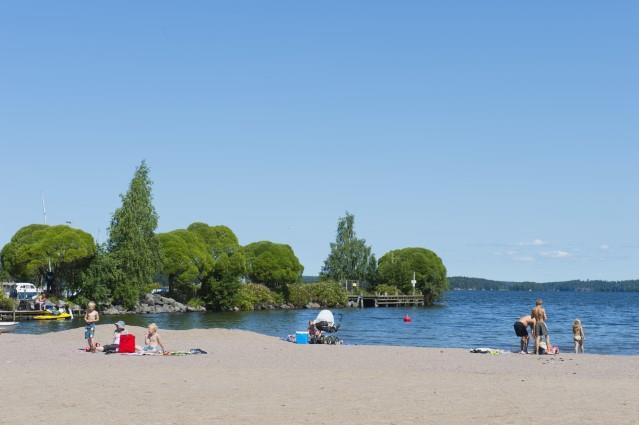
x=464, y=319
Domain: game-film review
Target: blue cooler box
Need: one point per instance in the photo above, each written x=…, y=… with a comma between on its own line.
x=301, y=337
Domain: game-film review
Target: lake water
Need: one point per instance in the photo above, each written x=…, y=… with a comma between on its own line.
x=462, y=319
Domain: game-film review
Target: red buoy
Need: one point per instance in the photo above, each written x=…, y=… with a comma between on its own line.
x=407, y=319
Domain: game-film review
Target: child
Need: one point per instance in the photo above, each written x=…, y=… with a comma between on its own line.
x=91, y=316
x=313, y=332
x=115, y=344
x=152, y=341
x=578, y=336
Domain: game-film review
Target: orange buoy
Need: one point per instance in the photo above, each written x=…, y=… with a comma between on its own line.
x=407, y=319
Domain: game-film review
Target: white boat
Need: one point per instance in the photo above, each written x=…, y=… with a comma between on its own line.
x=21, y=291
x=6, y=327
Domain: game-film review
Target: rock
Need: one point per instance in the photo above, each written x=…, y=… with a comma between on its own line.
x=195, y=309
x=312, y=305
x=115, y=309
x=153, y=303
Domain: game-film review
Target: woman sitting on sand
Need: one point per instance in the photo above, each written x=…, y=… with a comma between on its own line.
x=152, y=342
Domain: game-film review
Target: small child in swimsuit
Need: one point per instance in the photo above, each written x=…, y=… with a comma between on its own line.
x=152, y=341
x=91, y=316
x=578, y=336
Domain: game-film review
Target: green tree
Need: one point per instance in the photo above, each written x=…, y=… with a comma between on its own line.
x=271, y=264
x=397, y=267
x=132, y=241
x=36, y=249
x=220, y=288
x=95, y=281
x=350, y=258
x=229, y=261
x=186, y=262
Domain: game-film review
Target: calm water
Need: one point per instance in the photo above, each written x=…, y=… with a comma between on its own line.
x=463, y=319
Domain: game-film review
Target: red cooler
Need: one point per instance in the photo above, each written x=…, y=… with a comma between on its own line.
x=127, y=344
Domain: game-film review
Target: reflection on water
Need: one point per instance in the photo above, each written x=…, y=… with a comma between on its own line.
x=463, y=319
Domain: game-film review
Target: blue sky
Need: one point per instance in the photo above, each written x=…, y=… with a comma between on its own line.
x=502, y=135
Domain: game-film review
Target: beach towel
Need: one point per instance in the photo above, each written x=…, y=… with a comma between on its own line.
x=190, y=352
x=486, y=350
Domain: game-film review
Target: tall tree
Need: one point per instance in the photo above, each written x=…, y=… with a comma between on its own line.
x=397, y=267
x=132, y=241
x=97, y=279
x=350, y=258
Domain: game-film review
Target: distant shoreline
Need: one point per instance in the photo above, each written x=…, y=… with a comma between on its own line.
x=479, y=284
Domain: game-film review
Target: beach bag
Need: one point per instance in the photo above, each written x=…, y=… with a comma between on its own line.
x=127, y=344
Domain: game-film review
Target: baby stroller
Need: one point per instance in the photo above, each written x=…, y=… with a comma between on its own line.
x=323, y=329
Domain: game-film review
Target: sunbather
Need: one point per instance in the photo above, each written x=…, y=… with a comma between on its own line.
x=152, y=341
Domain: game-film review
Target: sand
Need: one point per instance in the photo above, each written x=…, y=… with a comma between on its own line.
x=249, y=378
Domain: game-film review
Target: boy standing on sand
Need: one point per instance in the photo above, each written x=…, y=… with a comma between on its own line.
x=539, y=314
x=91, y=316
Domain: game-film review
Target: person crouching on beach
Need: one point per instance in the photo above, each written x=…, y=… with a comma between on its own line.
x=521, y=331
x=91, y=316
x=152, y=341
x=578, y=336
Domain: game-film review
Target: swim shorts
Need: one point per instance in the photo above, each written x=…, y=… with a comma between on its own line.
x=541, y=329
x=520, y=329
x=89, y=331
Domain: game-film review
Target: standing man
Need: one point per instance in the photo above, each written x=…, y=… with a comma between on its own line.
x=541, y=330
x=521, y=331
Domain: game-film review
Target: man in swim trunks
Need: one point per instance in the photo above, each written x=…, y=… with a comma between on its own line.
x=541, y=330
x=521, y=331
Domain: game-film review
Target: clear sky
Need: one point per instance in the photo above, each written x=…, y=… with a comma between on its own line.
x=503, y=135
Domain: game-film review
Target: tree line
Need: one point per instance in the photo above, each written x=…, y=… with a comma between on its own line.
x=203, y=264
x=477, y=284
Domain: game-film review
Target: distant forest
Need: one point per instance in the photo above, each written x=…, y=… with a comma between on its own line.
x=477, y=284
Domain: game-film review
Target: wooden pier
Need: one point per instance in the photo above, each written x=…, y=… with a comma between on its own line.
x=366, y=301
x=18, y=315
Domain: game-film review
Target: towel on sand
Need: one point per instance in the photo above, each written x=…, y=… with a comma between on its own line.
x=485, y=350
x=190, y=352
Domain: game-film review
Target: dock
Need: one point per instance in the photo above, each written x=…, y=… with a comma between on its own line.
x=17, y=315
x=367, y=301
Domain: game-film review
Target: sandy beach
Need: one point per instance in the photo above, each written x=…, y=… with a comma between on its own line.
x=249, y=378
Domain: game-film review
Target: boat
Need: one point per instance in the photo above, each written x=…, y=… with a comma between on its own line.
x=6, y=327
x=60, y=316
x=20, y=291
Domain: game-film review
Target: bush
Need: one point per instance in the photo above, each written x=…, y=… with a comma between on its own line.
x=6, y=303
x=251, y=295
x=195, y=302
x=220, y=294
x=384, y=288
x=326, y=294
x=299, y=294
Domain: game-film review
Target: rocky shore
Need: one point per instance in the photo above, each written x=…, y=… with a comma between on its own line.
x=154, y=303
